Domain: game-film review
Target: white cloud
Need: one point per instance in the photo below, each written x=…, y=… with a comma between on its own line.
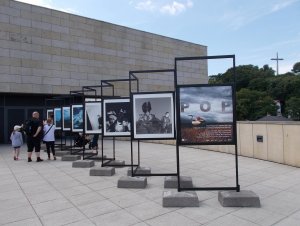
x=249, y=12
x=169, y=7
x=48, y=4
x=145, y=5
x=282, y=5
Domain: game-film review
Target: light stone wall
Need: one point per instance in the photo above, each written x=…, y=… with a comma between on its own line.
x=47, y=51
x=280, y=144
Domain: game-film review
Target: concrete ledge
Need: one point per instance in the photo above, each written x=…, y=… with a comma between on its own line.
x=238, y=199
x=140, y=170
x=132, y=182
x=180, y=199
x=62, y=153
x=83, y=164
x=102, y=171
x=117, y=163
x=171, y=182
x=70, y=157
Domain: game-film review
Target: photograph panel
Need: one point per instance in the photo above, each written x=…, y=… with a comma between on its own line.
x=57, y=118
x=93, y=118
x=153, y=116
x=50, y=113
x=116, y=117
x=77, y=118
x=206, y=115
x=66, y=118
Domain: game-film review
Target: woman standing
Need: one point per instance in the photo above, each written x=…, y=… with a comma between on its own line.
x=16, y=141
x=49, y=138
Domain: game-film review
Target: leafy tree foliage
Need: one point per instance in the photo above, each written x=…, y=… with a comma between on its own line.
x=293, y=107
x=296, y=68
x=252, y=104
x=257, y=88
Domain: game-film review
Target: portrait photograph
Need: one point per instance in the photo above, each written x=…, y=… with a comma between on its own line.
x=93, y=117
x=66, y=118
x=116, y=121
x=57, y=118
x=153, y=115
x=206, y=114
x=77, y=118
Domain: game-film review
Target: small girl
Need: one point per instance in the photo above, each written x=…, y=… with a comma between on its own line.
x=16, y=141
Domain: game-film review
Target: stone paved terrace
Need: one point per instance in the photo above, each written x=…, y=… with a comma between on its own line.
x=53, y=193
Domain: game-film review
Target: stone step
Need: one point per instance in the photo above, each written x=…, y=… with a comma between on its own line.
x=83, y=164
x=140, y=170
x=70, y=157
x=132, y=182
x=171, y=182
x=102, y=171
x=180, y=199
x=243, y=198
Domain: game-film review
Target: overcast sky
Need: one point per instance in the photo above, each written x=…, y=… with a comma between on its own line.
x=252, y=30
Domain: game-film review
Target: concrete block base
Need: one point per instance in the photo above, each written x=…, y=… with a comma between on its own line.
x=132, y=182
x=62, y=153
x=83, y=164
x=117, y=163
x=140, y=170
x=238, y=199
x=180, y=199
x=171, y=182
x=70, y=157
x=102, y=171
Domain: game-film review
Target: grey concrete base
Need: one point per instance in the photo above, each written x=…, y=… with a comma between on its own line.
x=102, y=171
x=180, y=199
x=70, y=157
x=171, y=182
x=238, y=199
x=62, y=153
x=83, y=164
x=132, y=182
x=140, y=170
x=117, y=163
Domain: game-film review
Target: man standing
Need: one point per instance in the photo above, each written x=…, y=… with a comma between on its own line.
x=34, y=136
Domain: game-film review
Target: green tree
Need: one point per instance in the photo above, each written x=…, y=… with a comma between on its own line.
x=293, y=108
x=252, y=105
x=296, y=68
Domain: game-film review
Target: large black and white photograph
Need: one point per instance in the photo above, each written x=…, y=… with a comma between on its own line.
x=57, y=118
x=93, y=118
x=206, y=114
x=66, y=118
x=153, y=116
x=116, y=117
x=77, y=118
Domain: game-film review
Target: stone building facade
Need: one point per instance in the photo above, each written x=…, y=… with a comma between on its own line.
x=44, y=52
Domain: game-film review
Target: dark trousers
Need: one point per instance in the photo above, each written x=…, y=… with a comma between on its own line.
x=50, y=145
x=33, y=143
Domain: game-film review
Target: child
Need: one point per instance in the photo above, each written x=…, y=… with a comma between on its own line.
x=16, y=141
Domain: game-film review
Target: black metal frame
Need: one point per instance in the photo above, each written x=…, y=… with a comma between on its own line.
x=132, y=75
x=237, y=187
x=109, y=83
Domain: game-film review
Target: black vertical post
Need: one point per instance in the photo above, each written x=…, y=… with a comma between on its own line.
x=177, y=134
x=235, y=131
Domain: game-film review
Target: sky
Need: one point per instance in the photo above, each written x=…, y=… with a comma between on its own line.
x=255, y=31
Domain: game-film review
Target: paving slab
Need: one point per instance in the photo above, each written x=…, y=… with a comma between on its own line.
x=70, y=157
x=83, y=164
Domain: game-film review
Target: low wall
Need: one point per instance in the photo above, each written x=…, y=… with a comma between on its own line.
x=272, y=141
